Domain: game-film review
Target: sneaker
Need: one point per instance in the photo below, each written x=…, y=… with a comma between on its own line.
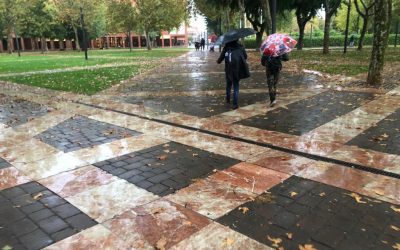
x=235, y=107
x=273, y=103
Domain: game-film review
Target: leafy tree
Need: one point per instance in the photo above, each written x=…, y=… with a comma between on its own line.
x=341, y=18
x=365, y=10
x=10, y=12
x=254, y=15
x=382, y=18
x=68, y=11
x=122, y=17
x=331, y=7
x=38, y=23
x=305, y=10
x=157, y=15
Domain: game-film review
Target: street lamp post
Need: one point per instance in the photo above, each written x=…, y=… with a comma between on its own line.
x=84, y=35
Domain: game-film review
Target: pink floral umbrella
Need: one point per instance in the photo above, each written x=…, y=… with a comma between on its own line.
x=277, y=45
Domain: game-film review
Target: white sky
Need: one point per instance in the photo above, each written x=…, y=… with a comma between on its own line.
x=198, y=22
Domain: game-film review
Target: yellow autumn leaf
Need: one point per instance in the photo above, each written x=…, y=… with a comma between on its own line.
x=292, y=194
x=357, y=198
x=161, y=243
x=307, y=247
x=322, y=194
x=38, y=196
x=289, y=235
x=395, y=209
x=394, y=228
x=244, y=209
x=397, y=246
x=228, y=242
x=275, y=241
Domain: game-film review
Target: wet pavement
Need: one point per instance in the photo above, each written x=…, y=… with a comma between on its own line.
x=162, y=162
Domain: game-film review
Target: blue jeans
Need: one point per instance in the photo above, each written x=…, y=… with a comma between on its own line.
x=235, y=92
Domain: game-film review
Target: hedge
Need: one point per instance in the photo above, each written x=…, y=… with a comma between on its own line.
x=333, y=41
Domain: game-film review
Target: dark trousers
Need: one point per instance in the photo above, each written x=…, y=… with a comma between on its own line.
x=235, y=92
x=272, y=81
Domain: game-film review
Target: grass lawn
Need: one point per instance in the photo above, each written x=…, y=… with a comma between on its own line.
x=350, y=64
x=85, y=81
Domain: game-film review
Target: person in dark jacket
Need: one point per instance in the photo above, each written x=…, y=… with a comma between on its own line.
x=236, y=68
x=273, y=66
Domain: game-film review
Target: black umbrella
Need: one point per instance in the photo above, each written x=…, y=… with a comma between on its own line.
x=234, y=35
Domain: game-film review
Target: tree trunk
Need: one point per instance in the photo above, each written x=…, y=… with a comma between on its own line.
x=302, y=26
x=363, y=32
x=130, y=42
x=148, y=42
x=36, y=44
x=44, y=45
x=383, y=9
x=61, y=42
x=78, y=47
x=346, y=35
x=267, y=16
x=327, y=29
x=10, y=44
x=259, y=36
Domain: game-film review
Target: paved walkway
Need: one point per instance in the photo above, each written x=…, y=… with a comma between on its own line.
x=161, y=162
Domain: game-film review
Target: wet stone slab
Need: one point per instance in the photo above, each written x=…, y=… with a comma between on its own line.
x=81, y=132
x=33, y=217
x=166, y=168
x=200, y=106
x=299, y=212
x=305, y=115
x=385, y=137
x=4, y=163
x=214, y=81
x=14, y=112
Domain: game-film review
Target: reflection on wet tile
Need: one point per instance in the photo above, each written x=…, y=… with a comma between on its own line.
x=250, y=177
x=376, y=186
x=51, y=165
x=365, y=157
x=106, y=201
x=97, y=237
x=159, y=223
x=10, y=177
x=116, y=148
x=216, y=236
x=211, y=198
x=281, y=161
x=76, y=181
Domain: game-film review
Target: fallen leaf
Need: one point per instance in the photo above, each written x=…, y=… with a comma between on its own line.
x=357, y=198
x=37, y=196
x=195, y=155
x=6, y=247
x=174, y=152
x=161, y=243
x=244, y=209
x=166, y=145
x=275, y=241
x=166, y=151
x=395, y=209
x=289, y=235
x=322, y=194
x=292, y=194
x=228, y=242
x=379, y=192
x=394, y=228
x=397, y=246
x=307, y=247
x=385, y=135
x=162, y=157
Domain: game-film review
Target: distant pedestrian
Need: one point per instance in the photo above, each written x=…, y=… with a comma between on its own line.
x=273, y=66
x=202, y=44
x=236, y=68
x=352, y=40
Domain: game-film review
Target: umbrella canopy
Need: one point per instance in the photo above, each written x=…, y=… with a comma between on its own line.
x=277, y=45
x=234, y=35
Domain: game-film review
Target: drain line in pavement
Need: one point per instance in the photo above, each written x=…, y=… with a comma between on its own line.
x=261, y=144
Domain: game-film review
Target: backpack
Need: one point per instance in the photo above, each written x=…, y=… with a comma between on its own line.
x=228, y=56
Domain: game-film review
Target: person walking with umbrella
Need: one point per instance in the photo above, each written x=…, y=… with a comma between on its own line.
x=235, y=57
x=274, y=50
